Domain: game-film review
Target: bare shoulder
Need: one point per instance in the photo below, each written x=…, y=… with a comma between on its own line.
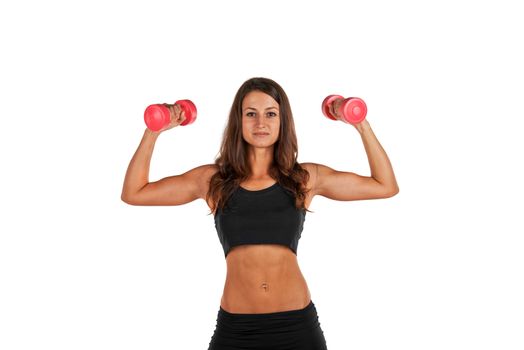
x=201, y=175
x=312, y=169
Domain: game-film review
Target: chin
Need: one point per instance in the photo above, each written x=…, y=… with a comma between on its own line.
x=262, y=144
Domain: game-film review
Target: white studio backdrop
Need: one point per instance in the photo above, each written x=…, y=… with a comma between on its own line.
x=439, y=266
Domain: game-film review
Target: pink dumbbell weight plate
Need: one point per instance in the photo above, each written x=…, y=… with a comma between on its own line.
x=354, y=110
x=326, y=103
x=189, y=109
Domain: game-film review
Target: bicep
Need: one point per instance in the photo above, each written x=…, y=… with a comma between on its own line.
x=346, y=186
x=174, y=190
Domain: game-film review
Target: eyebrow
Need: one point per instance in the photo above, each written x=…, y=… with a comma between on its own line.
x=266, y=108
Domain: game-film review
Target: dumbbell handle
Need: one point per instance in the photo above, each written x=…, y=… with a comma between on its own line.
x=157, y=116
x=352, y=110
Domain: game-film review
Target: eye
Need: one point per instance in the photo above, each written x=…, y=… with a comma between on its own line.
x=272, y=114
x=250, y=114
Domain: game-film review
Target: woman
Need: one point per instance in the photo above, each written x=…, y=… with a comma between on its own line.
x=259, y=195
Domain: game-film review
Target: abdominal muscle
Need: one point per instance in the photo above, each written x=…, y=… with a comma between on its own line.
x=263, y=278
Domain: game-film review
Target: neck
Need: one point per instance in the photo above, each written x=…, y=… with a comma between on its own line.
x=260, y=161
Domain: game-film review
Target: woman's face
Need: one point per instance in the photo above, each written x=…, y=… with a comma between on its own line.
x=260, y=119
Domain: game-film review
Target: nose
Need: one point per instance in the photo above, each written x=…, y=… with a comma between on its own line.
x=259, y=122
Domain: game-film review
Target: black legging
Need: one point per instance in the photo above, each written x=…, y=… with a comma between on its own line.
x=284, y=330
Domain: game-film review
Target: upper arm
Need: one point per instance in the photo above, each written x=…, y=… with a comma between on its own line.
x=346, y=186
x=177, y=189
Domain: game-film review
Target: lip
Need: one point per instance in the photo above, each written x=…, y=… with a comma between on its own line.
x=260, y=133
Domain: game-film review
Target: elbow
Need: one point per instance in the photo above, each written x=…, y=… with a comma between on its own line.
x=126, y=198
x=131, y=196
x=392, y=192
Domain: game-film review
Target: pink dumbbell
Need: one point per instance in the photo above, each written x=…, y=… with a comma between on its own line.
x=353, y=109
x=157, y=116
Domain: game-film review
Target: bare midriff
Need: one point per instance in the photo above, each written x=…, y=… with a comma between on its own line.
x=263, y=278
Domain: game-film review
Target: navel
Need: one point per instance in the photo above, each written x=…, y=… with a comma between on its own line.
x=265, y=286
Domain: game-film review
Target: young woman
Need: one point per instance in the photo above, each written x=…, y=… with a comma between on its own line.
x=259, y=195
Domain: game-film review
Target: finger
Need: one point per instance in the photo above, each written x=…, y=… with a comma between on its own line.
x=182, y=115
x=179, y=112
x=172, y=113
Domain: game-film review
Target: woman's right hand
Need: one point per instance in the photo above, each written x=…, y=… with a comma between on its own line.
x=177, y=115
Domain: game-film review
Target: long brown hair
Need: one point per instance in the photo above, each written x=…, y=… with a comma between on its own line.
x=232, y=161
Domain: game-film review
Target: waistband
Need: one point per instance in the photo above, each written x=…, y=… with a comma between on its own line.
x=309, y=309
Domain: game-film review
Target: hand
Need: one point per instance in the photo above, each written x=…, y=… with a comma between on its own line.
x=177, y=115
x=334, y=107
x=362, y=126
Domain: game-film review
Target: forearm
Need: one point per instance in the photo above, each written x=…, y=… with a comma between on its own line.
x=137, y=175
x=380, y=166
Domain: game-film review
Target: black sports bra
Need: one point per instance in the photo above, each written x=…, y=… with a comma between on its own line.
x=266, y=216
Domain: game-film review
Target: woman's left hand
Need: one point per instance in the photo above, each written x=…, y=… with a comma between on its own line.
x=361, y=126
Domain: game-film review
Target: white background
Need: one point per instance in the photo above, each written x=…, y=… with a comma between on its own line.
x=439, y=266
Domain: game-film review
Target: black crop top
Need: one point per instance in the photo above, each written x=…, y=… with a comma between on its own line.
x=266, y=216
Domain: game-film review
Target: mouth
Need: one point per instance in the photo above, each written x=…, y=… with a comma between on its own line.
x=260, y=133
